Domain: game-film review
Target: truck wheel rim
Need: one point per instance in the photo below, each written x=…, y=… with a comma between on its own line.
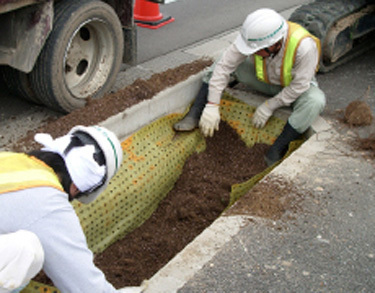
x=88, y=58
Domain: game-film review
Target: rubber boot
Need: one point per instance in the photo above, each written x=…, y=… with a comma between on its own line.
x=280, y=146
x=191, y=120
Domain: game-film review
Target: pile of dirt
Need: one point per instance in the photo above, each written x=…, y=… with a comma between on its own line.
x=99, y=110
x=198, y=198
x=358, y=112
x=271, y=198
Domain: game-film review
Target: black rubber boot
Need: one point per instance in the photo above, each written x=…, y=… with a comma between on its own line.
x=280, y=146
x=191, y=120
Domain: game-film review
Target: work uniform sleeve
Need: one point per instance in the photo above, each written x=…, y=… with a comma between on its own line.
x=303, y=72
x=68, y=261
x=221, y=73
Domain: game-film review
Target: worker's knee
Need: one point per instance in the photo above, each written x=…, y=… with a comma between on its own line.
x=313, y=101
x=307, y=108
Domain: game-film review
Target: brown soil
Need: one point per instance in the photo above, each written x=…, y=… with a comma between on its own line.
x=198, y=198
x=271, y=198
x=358, y=113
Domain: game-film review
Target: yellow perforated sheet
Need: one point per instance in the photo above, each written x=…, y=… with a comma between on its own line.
x=238, y=115
x=153, y=160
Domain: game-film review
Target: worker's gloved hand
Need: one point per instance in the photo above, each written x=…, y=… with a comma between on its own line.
x=264, y=112
x=210, y=119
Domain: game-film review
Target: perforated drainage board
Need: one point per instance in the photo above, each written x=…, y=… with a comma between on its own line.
x=153, y=160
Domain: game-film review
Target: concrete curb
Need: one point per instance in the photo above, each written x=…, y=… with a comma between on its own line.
x=172, y=100
x=195, y=255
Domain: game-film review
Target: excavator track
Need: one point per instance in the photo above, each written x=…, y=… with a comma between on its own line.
x=346, y=28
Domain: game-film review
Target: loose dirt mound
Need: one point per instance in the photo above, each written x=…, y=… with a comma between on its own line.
x=358, y=113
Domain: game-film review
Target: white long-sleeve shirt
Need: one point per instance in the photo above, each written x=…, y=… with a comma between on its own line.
x=47, y=212
x=303, y=71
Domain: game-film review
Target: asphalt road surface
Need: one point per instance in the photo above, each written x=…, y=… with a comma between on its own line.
x=197, y=20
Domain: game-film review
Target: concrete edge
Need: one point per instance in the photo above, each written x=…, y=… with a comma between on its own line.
x=134, y=118
x=195, y=255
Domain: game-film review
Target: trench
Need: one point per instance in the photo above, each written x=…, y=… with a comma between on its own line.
x=154, y=161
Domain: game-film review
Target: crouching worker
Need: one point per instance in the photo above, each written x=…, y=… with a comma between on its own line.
x=275, y=57
x=35, y=194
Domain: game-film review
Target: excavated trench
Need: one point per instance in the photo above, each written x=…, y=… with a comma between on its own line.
x=171, y=187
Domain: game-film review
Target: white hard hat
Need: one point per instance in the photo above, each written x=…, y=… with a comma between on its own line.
x=111, y=148
x=92, y=155
x=261, y=29
x=22, y=257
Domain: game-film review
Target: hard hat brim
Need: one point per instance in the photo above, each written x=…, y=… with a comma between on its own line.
x=243, y=47
x=86, y=199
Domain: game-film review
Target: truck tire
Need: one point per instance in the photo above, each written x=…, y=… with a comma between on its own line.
x=17, y=82
x=82, y=55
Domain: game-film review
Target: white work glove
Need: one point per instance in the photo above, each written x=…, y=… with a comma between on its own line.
x=21, y=258
x=264, y=112
x=210, y=119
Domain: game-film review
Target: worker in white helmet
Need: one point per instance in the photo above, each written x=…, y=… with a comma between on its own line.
x=35, y=194
x=275, y=57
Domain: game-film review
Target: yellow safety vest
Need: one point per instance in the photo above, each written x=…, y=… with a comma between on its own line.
x=19, y=171
x=296, y=34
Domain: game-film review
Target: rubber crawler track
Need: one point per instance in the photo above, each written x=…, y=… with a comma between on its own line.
x=319, y=16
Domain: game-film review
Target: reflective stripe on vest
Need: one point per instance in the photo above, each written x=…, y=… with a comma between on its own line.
x=20, y=171
x=296, y=34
